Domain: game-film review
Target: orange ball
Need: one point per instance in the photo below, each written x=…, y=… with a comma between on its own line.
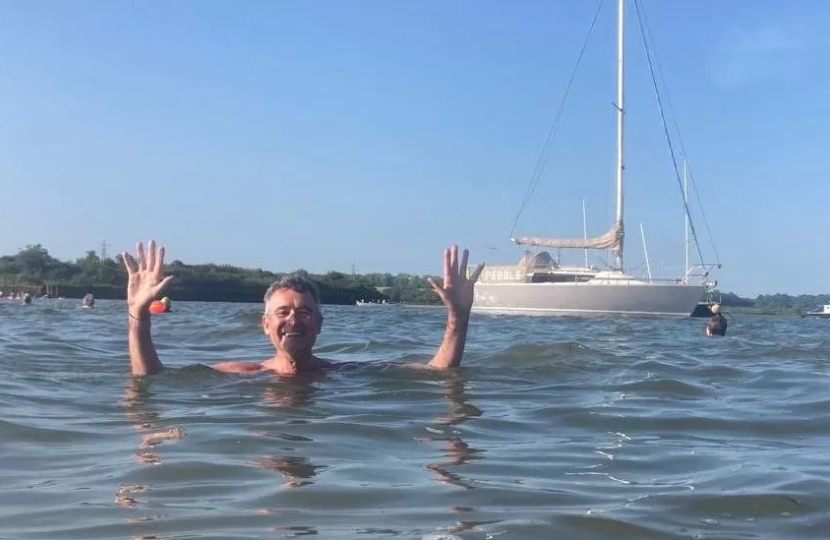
x=157, y=307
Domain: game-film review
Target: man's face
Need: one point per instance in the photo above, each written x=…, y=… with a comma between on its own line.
x=292, y=321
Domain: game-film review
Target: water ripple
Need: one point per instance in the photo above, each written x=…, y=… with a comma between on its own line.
x=571, y=428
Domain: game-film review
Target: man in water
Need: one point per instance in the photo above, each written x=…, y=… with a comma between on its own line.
x=717, y=324
x=292, y=317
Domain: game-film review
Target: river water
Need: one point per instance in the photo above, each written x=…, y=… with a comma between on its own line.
x=553, y=428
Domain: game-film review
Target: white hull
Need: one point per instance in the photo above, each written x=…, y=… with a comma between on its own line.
x=632, y=297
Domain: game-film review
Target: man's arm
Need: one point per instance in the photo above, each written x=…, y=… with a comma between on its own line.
x=146, y=281
x=457, y=295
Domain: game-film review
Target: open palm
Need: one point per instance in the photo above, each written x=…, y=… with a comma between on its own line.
x=457, y=291
x=146, y=276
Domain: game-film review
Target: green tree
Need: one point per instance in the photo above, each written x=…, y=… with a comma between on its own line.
x=33, y=260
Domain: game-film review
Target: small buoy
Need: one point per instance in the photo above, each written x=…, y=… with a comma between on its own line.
x=157, y=306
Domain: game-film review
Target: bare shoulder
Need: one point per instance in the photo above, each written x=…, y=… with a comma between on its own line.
x=324, y=363
x=237, y=367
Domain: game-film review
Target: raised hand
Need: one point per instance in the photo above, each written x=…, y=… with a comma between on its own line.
x=457, y=295
x=457, y=291
x=146, y=278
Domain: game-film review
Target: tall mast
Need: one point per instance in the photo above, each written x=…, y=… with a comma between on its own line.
x=686, y=219
x=618, y=251
x=584, y=231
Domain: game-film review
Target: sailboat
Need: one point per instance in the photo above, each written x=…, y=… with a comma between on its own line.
x=540, y=285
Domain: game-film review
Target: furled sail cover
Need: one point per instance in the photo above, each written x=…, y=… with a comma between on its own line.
x=610, y=240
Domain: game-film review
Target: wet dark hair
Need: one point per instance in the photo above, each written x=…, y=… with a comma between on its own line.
x=296, y=282
x=717, y=325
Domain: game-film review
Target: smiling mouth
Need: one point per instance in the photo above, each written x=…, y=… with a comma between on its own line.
x=293, y=333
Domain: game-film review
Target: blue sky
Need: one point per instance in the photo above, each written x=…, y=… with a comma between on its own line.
x=323, y=135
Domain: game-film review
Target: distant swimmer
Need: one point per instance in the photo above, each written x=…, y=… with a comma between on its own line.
x=717, y=324
x=27, y=298
x=88, y=301
x=292, y=317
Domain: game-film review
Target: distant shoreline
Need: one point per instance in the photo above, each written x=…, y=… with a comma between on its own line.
x=34, y=271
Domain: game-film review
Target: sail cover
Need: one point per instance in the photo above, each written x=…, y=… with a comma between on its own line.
x=612, y=239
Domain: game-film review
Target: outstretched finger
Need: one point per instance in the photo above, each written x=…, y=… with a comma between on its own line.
x=462, y=270
x=447, y=266
x=129, y=263
x=142, y=259
x=476, y=273
x=160, y=261
x=151, y=255
x=434, y=284
x=438, y=289
x=454, y=260
x=162, y=285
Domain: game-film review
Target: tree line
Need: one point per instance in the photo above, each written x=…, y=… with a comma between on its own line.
x=32, y=268
x=774, y=304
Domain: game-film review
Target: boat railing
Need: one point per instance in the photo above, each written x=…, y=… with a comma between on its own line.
x=704, y=273
x=632, y=279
